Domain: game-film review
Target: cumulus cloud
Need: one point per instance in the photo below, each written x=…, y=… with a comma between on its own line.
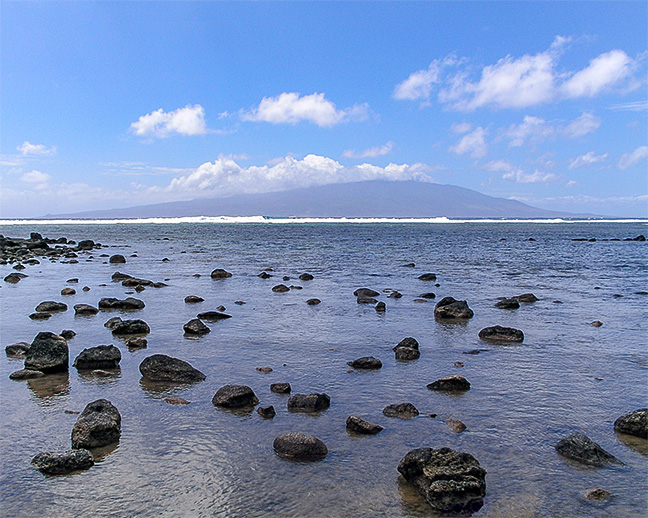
x=629, y=159
x=586, y=160
x=602, y=73
x=536, y=129
x=418, y=86
x=35, y=177
x=291, y=108
x=581, y=126
x=26, y=148
x=461, y=127
x=189, y=120
x=473, y=143
x=516, y=174
x=373, y=152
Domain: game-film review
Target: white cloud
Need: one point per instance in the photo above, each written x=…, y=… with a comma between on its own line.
x=418, y=86
x=571, y=183
x=535, y=129
x=633, y=106
x=586, y=160
x=371, y=152
x=461, y=127
x=473, y=143
x=629, y=159
x=516, y=174
x=35, y=177
x=27, y=148
x=290, y=108
x=581, y=126
x=189, y=120
x=603, y=72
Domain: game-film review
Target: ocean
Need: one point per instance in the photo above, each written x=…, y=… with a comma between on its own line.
x=199, y=461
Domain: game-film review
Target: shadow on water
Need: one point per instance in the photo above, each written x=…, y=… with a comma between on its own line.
x=50, y=386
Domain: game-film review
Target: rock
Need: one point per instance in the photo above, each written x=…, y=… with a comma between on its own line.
x=451, y=482
x=17, y=351
x=581, y=448
x=381, y=307
x=136, y=343
x=306, y=277
x=597, y=323
x=129, y=304
x=366, y=300
x=366, y=362
x=85, y=309
x=61, y=463
x=219, y=273
x=86, y=288
x=357, y=425
x=14, y=277
x=19, y=267
x=86, y=244
x=267, y=412
x=172, y=400
x=195, y=327
x=280, y=388
x=264, y=275
x=458, y=364
x=40, y=316
x=408, y=265
x=313, y=302
x=454, y=383
x=511, y=303
x=99, y=357
x=501, y=334
x=280, y=288
x=50, y=306
x=527, y=298
x=455, y=425
x=235, y=396
x=401, y=410
x=598, y=494
x=449, y=308
x=640, y=237
x=299, y=446
x=285, y=278
x=26, y=374
x=222, y=308
x=117, y=259
x=428, y=295
x=193, y=299
x=213, y=316
x=264, y=370
x=634, y=423
x=113, y=322
x=365, y=293
x=407, y=349
x=308, y=403
x=130, y=327
x=98, y=425
x=74, y=280
x=48, y=353
x=428, y=277
x=119, y=277
x=68, y=291
x=160, y=367
x=395, y=295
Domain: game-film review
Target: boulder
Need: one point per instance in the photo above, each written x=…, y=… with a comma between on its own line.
x=505, y=303
x=61, y=463
x=635, y=423
x=401, y=410
x=219, y=273
x=306, y=277
x=365, y=293
x=598, y=494
x=195, y=327
x=117, y=259
x=14, y=277
x=130, y=327
x=235, y=396
x=136, y=343
x=213, y=316
x=454, y=383
x=581, y=448
x=68, y=334
x=299, y=446
x=17, y=351
x=86, y=244
x=308, y=402
x=360, y=426
x=527, y=298
x=501, y=334
x=395, y=295
x=68, y=291
x=407, y=349
x=366, y=362
x=193, y=299
x=280, y=388
x=85, y=309
x=455, y=425
x=267, y=412
x=313, y=302
x=51, y=306
x=160, y=367
x=26, y=374
x=428, y=277
x=40, y=316
x=119, y=277
x=128, y=304
x=366, y=300
x=264, y=275
x=451, y=309
x=48, y=353
x=98, y=425
x=280, y=288
x=113, y=322
x=450, y=481
x=99, y=357
x=380, y=307
x=428, y=295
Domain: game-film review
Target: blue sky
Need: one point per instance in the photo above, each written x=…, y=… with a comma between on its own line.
x=122, y=103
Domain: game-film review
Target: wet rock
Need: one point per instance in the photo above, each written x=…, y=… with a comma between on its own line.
x=14, y=277
x=365, y=293
x=634, y=423
x=299, y=446
x=117, y=259
x=98, y=425
x=598, y=494
x=408, y=265
x=597, y=323
x=213, y=316
x=19, y=267
x=358, y=425
x=99, y=357
x=85, y=309
x=264, y=275
x=428, y=277
x=264, y=370
x=128, y=304
x=407, y=349
x=527, y=298
x=235, y=396
x=640, y=237
x=313, y=302
x=26, y=374
x=195, y=327
x=160, y=367
x=68, y=291
x=581, y=448
x=136, y=343
x=428, y=295
x=280, y=388
x=48, y=353
x=395, y=295
x=280, y=288
x=50, y=306
x=511, y=303
x=40, y=316
x=119, y=277
x=219, y=273
x=113, y=322
x=306, y=277
x=285, y=278
x=455, y=425
x=130, y=327
x=172, y=400
x=267, y=412
x=61, y=463
x=454, y=383
x=401, y=410
x=309, y=402
x=501, y=334
x=366, y=362
x=86, y=244
x=366, y=300
x=193, y=299
x=140, y=284
x=17, y=351
x=222, y=308
x=450, y=481
x=449, y=308
x=380, y=307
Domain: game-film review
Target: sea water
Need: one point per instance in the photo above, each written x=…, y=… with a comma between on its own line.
x=198, y=461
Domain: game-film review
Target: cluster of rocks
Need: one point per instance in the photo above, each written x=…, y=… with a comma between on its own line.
x=25, y=251
x=128, y=281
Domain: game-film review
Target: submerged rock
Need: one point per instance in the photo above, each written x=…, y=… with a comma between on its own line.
x=454, y=383
x=581, y=448
x=213, y=316
x=267, y=412
x=235, y=396
x=634, y=423
x=401, y=410
x=366, y=362
x=598, y=494
x=511, y=303
x=98, y=425
x=365, y=293
x=130, y=327
x=501, y=334
x=48, y=353
x=280, y=288
x=99, y=357
x=299, y=446
x=26, y=374
x=160, y=367
x=452, y=309
x=128, y=304
x=18, y=350
x=407, y=349
x=428, y=277
x=219, y=273
x=313, y=302
x=428, y=295
x=14, y=277
x=451, y=482
x=195, y=327
x=60, y=463
x=527, y=298
x=280, y=388
x=358, y=425
x=85, y=309
x=40, y=316
x=193, y=299
x=306, y=277
x=309, y=402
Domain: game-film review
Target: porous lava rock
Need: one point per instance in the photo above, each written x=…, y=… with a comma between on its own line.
x=235, y=396
x=577, y=446
x=299, y=446
x=309, y=402
x=449, y=308
x=98, y=425
x=61, y=463
x=48, y=353
x=160, y=367
x=634, y=423
x=360, y=426
x=454, y=383
x=501, y=334
x=407, y=349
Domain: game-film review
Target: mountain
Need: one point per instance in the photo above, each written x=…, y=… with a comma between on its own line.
x=369, y=199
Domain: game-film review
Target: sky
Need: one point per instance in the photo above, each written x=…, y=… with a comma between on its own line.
x=121, y=103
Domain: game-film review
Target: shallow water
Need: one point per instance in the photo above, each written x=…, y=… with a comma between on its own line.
x=196, y=460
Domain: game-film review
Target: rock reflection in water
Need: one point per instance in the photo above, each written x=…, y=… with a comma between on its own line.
x=50, y=386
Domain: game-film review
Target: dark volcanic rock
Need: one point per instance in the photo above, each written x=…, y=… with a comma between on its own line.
x=280, y=288
x=366, y=362
x=25, y=374
x=512, y=303
x=99, y=357
x=598, y=494
x=380, y=307
x=299, y=446
x=117, y=259
x=313, y=302
x=308, y=403
x=193, y=299
x=366, y=300
x=357, y=425
x=267, y=412
x=428, y=295
x=40, y=316
x=401, y=410
x=48, y=353
x=306, y=277
x=129, y=304
x=213, y=316
x=60, y=463
x=119, y=277
x=195, y=327
x=635, y=423
x=280, y=388
x=51, y=306
x=17, y=351
x=264, y=275
x=527, y=298
x=68, y=291
x=113, y=322
x=136, y=343
x=501, y=334
x=449, y=308
x=428, y=277
x=450, y=384
x=130, y=327
x=68, y=334
x=451, y=482
x=219, y=273
x=85, y=309
x=235, y=396
x=86, y=244
x=161, y=367
x=365, y=293
x=407, y=349
x=581, y=448
x=98, y=425
x=14, y=277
